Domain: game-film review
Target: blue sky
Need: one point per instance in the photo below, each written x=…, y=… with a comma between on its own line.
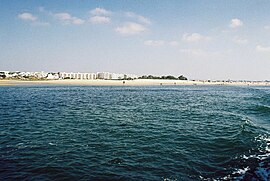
x=209, y=39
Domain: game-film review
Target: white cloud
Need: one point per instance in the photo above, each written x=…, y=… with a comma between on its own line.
x=130, y=28
x=261, y=48
x=27, y=17
x=68, y=19
x=195, y=37
x=33, y=19
x=100, y=11
x=154, y=42
x=100, y=16
x=236, y=23
x=239, y=40
x=173, y=43
x=63, y=16
x=100, y=19
x=139, y=18
x=77, y=21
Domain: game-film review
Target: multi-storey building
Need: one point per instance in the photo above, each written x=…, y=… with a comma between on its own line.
x=81, y=76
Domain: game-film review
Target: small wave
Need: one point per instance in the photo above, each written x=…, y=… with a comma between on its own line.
x=263, y=108
x=247, y=121
x=259, y=109
x=248, y=126
x=52, y=144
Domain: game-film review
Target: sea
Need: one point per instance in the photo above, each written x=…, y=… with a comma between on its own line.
x=166, y=133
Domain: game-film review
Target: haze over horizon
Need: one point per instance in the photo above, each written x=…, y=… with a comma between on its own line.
x=197, y=39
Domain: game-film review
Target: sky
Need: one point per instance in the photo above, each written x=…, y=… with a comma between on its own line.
x=210, y=39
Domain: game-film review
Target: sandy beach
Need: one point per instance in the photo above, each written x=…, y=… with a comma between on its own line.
x=138, y=82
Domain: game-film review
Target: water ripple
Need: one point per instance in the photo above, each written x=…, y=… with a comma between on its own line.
x=134, y=133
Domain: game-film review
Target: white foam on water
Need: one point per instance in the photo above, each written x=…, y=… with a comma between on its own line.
x=262, y=171
x=241, y=171
x=265, y=149
x=169, y=179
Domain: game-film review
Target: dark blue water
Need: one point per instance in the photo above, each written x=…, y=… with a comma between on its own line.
x=134, y=133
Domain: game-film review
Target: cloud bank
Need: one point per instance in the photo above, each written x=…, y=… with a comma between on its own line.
x=67, y=18
x=195, y=37
x=27, y=17
x=131, y=28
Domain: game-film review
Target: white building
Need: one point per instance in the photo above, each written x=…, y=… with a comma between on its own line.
x=40, y=74
x=132, y=76
x=81, y=76
x=104, y=75
x=67, y=75
x=4, y=74
x=25, y=74
x=53, y=76
x=115, y=76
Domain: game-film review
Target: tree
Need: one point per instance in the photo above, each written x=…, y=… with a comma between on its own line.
x=181, y=77
x=170, y=77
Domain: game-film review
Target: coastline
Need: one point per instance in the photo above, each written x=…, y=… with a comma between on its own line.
x=137, y=82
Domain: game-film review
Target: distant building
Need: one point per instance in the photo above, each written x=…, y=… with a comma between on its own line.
x=25, y=74
x=53, y=76
x=40, y=75
x=115, y=76
x=132, y=76
x=81, y=76
x=104, y=75
x=66, y=75
x=13, y=74
x=4, y=74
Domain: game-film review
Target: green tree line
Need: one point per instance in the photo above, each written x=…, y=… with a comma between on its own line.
x=168, y=77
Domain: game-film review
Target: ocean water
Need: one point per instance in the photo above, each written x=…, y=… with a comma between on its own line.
x=134, y=133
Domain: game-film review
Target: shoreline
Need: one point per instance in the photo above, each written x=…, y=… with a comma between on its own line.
x=137, y=82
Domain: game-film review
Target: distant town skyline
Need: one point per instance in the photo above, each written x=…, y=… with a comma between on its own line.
x=198, y=39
